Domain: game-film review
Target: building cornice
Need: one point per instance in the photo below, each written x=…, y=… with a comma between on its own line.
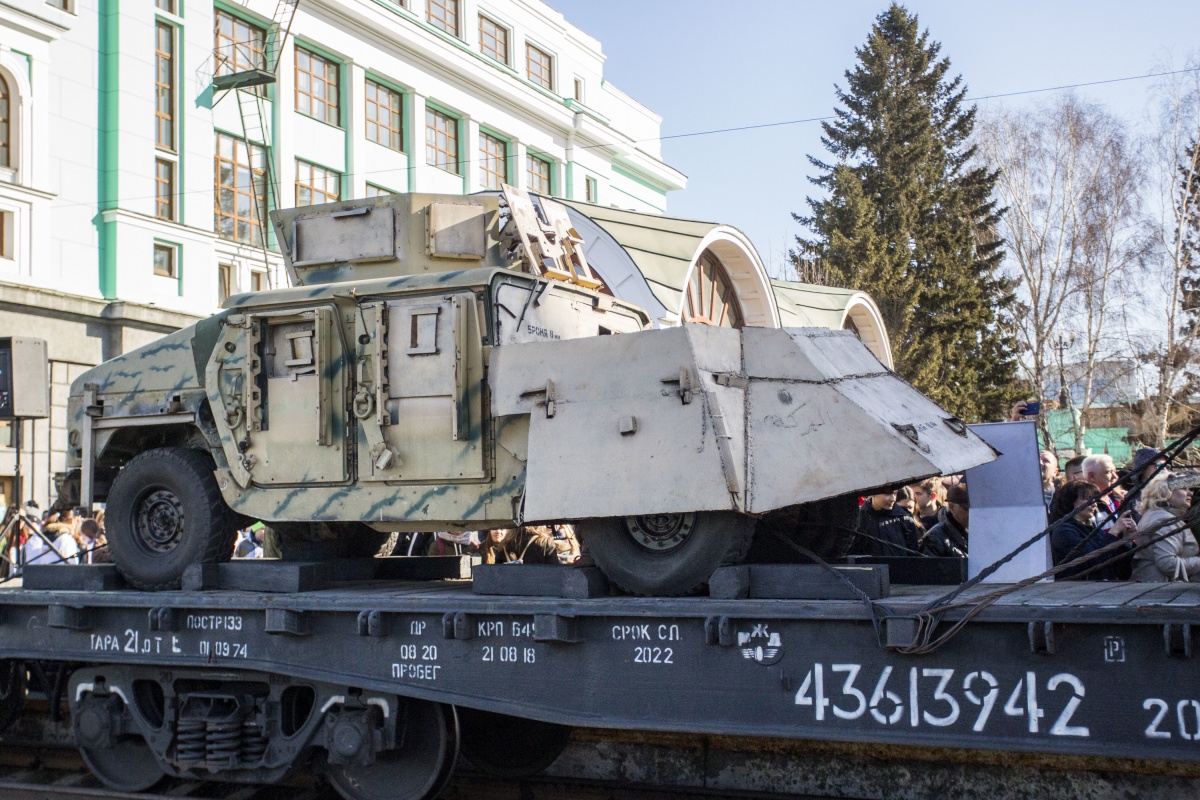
x=23, y=297
x=35, y=18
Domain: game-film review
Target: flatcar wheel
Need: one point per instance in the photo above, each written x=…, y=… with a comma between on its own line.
x=510, y=747
x=666, y=554
x=127, y=766
x=418, y=769
x=12, y=692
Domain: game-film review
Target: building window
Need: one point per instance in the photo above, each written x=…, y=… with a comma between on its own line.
x=493, y=161
x=165, y=5
x=539, y=66
x=258, y=280
x=384, y=117
x=164, y=260
x=711, y=299
x=164, y=86
x=579, y=90
x=6, y=159
x=316, y=185
x=164, y=189
x=8, y=235
x=240, y=46
x=538, y=172
x=441, y=140
x=224, y=282
x=591, y=190
x=240, y=189
x=378, y=191
x=443, y=14
x=65, y=5
x=316, y=86
x=493, y=39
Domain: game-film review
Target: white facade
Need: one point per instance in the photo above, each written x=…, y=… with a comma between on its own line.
x=80, y=219
x=609, y=139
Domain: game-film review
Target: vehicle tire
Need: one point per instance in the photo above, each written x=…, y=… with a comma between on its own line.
x=666, y=554
x=165, y=513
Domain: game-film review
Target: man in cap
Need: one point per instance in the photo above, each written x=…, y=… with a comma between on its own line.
x=949, y=536
x=885, y=528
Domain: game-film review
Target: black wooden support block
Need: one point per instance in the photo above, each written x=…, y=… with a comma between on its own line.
x=288, y=622
x=425, y=568
x=539, y=580
x=69, y=618
x=919, y=571
x=72, y=578
x=555, y=628
x=269, y=575
x=797, y=582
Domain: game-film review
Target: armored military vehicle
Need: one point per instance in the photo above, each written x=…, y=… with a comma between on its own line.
x=450, y=363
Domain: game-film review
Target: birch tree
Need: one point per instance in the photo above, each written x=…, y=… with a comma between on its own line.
x=1171, y=353
x=1070, y=176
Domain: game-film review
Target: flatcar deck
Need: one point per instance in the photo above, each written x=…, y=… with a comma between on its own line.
x=1073, y=668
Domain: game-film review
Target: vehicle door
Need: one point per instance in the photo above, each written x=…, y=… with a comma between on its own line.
x=419, y=396
x=277, y=385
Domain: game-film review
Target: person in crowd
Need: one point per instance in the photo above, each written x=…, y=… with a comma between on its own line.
x=56, y=545
x=884, y=528
x=1018, y=413
x=250, y=542
x=1172, y=556
x=930, y=496
x=1049, y=465
x=93, y=544
x=1100, y=471
x=1073, y=536
x=950, y=480
x=1145, y=461
x=446, y=543
x=1073, y=469
x=948, y=538
x=906, y=500
x=566, y=543
x=528, y=545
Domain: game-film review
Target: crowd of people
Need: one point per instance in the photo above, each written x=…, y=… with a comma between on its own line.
x=530, y=544
x=66, y=537
x=1106, y=524
x=929, y=518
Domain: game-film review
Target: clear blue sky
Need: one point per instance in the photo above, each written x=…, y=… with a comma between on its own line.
x=704, y=65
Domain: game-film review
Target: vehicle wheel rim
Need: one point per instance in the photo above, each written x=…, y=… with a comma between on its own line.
x=660, y=533
x=158, y=521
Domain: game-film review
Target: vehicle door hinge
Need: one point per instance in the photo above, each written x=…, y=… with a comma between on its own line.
x=550, y=400
x=684, y=382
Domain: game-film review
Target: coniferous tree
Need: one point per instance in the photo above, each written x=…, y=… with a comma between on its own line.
x=910, y=219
